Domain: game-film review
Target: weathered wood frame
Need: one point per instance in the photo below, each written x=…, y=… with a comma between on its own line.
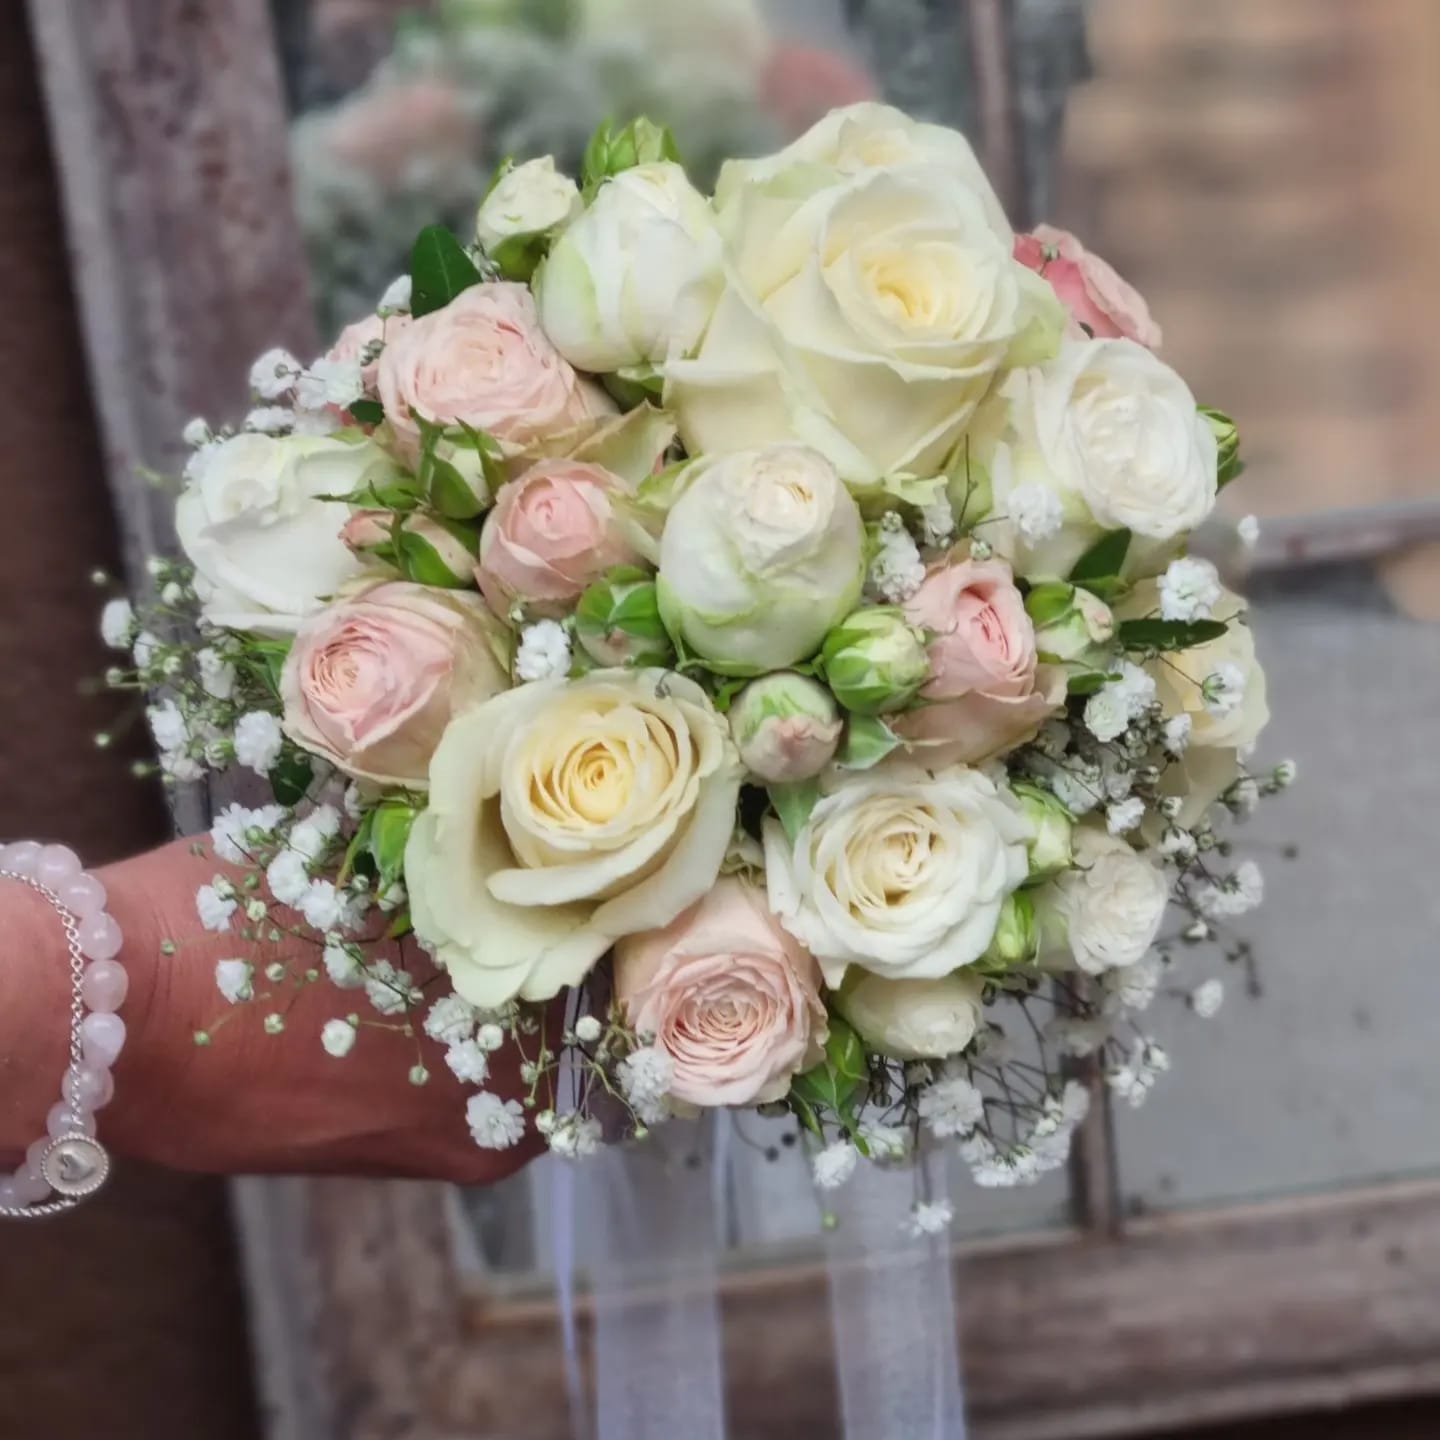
x=168, y=119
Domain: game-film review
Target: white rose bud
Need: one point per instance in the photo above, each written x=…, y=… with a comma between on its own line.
x=1070, y=624
x=1051, y=849
x=875, y=661
x=761, y=556
x=913, y=1019
x=608, y=293
x=787, y=727
x=525, y=205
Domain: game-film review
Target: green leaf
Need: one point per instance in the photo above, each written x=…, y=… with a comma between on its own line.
x=367, y=412
x=1169, y=634
x=268, y=659
x=1088, y=682
x=389, y=834
x=868, y=740
x=1103, y=561
x=420, y=562
x=834, y=1083
x=450, y=493
x=1049, y=602
x=793, y=804
x=291, y=777
x=440, y=270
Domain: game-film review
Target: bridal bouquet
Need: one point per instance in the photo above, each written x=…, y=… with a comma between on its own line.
x=738, y=650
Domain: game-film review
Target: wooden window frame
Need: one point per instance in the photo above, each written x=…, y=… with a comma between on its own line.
x=170, y=127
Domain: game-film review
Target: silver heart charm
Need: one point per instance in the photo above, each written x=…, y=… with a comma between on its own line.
x=75, y=1166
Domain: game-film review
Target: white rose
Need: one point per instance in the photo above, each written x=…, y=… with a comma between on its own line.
x=1180, y=675
x=1106, y=912
x=266, y=549
x=563, y=816
x=762, y=554
x=528, y=200
x=899, y=871
x=870, y=136
x=1113, y=433
x=865, y=315
x=609, y=290
x=913, y=1019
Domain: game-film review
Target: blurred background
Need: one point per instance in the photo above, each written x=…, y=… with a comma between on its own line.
x=1261, y=169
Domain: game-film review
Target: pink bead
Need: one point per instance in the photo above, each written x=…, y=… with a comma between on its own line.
x=65, y=1119
x=35, y=1155
x=102, y=1038
x=92, y=1087
x=100, y=937
x=82, y=896
x=104, y=986
x=20, y=857
x=56, y=865
x=30, y=1187
x=9, y=1200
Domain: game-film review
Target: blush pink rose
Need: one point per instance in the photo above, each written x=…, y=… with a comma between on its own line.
x=1095, y=295
x=987, y=692
x=729, y=996
x=551, y=534
x=372, y=682
x=483, y=361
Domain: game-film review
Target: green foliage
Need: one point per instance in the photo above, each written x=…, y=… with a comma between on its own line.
x=611, y=151
x=793, y=804
x=1098, y=569
x=291, y=777
x=868, y=740
x=367, y=412
x=440, y=270
x=1169, y=634
x=833, y=1085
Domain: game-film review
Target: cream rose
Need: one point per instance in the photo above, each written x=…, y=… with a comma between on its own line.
x=608, y=292
x=899, y=871
x=372, y=681
x=869, y=136
x=1180, y=676
x=266, y=548
x=483, y=361
x=1106, y=912
x=1113, y=434
x=865, y=315
x=913, y=1019
x=729, y=996
x=527, y=200
x=761, y=555
x=563, y=816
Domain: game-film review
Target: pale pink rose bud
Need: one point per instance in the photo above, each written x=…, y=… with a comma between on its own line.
x=986, y=690
x=372, y=682
x=729, y=996
x=483, y=362
x=367, y=531
x=1096, y=297
x=786, y=726
x=552, y=533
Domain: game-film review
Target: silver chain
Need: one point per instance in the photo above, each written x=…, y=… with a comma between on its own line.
x=77, y=1015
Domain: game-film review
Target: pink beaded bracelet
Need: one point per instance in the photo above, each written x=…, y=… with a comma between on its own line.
x=68, y=1162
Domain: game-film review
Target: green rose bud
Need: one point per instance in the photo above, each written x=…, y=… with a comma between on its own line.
x=618, y=621
x=875, y=661
x=1070, y=624
x=1017, y=936
x=1227, y=441
x=525, y=205
x=641, y=142
x=1051, y=850
x=787, y=727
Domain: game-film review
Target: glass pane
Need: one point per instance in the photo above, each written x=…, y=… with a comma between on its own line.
x=404, y=110
x=1260, y=172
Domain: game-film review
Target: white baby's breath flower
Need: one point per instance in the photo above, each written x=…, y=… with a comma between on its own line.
x=274, y=374
x=330, y=382
x=312, y=835
x=1176, y=734
x=1284, y=774
x=270, y=420
x=588, y=1029
x=235, y=980
x=951, y=1106
x=317, y=422
x=495, y=1124
x=388, y=990
x=288, y=877
x=490, y=1037
x=1035, y=511
x=1248, y=530
x=214, y=908
x=1236, y=895
x=885, y=1142
x=227, y=834
x=167, y=725
x=397, y=296
x=451, y=1020
x=834, y=1165
x=468, y=1063
x=1223, y=689
x=929, y=1217
x=258, y=740
x=1207, y=998
x=1179, y=846
x=937, y=522
x=1189, y=589
x=117, y=624
x=1134, y=987
x=147, y=646
x=1106, y=716
x=1243, y=797
x=645, y=1077
x=897, y=571
x=1124, y=816
x=217, y=674
x=544, y=652
x=338, y=1038
x=342, y=964
x=196, y=432
x=322, y=906
x=572, y=1138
